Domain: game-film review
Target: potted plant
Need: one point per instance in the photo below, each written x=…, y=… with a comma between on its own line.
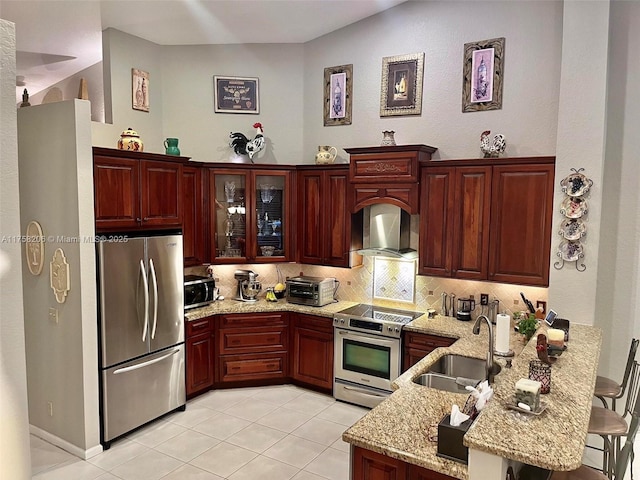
x=527, y=325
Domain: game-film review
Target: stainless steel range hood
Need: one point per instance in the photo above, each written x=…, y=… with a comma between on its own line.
x=389, y=232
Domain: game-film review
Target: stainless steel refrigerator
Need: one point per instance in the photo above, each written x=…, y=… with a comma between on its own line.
x=142, y=363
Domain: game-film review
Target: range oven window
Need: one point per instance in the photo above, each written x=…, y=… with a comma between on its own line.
x=366, y=358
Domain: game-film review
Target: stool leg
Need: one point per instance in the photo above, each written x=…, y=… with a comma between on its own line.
x=603, y=400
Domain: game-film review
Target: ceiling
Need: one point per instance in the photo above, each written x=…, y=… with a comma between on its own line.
x=58, y=38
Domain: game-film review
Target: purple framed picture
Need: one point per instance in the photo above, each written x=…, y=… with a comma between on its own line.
x=483, y=73
x=338, y=91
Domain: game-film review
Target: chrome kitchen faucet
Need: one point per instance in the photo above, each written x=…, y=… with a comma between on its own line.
x=492, y=368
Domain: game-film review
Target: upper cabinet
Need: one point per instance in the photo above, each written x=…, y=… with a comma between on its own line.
x=327, y=233
x=194, y=217
x=250, y=215
x=136, y=190
x=388, y=174
x=487, y=222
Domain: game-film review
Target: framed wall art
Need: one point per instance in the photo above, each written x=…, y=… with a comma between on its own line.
x=483, y=75
x=338, y=92
x=139, y=90
x=401, y=89
x=236, y=95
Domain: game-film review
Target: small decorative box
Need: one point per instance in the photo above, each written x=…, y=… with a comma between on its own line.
x=528, y=392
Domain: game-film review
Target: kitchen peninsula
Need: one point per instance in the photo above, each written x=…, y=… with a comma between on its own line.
x=399, y=428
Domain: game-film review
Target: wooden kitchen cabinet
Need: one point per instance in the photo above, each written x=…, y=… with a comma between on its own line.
x=469, y=216
x=521, y=216
x=454, y=218
x=416, y=346
x=368, y=465
x=251, y=212
x=194, y=217
x=136, y=190
x=387, y=174
x=199, y=355
x=252, y=347
x=312, y=351
x=327, y=233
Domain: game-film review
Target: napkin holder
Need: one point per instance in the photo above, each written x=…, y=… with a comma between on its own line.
x=450, y=444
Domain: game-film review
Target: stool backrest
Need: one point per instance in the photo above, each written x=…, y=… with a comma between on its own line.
x=630, y=360
x=633, y=405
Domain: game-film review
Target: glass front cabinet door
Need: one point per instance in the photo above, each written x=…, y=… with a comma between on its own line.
x=250, y=221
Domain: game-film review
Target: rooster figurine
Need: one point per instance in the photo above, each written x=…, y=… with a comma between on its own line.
x=243, y=146
x=497, y=146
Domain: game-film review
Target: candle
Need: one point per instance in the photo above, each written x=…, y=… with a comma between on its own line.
x=555, y=336
x=503, y=330
x=528, y=392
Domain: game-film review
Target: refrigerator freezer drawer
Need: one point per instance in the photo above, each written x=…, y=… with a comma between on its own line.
x=137, y=392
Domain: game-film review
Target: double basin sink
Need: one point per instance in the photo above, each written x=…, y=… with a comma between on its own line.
x=453, y=373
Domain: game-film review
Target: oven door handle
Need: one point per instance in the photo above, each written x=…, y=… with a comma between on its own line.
x=364, y=392
x=377, y=341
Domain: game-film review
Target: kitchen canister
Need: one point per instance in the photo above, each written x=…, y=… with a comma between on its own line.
x=171, y=146
x=130, y=140
x=541, y=372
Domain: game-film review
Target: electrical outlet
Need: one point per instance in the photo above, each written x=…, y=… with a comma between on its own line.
x=472, y=297
x=484, y=299
x=430, y=292
x=53, y=314
x=516, y=302
x=50, y=408
x=543, y=304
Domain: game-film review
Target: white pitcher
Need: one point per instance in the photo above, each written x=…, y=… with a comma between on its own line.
x=326, y=154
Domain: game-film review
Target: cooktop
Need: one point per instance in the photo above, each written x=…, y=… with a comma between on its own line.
x=373, y=312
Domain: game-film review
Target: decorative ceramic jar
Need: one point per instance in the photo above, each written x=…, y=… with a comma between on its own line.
x=326, y=154
x=387, y=138
x=130, y=140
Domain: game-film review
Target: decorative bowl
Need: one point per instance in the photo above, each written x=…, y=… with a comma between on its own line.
x=267, y=250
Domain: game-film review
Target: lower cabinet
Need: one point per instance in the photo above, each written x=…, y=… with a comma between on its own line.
x=257, y=349
x=200, y=355
x=252, y=347
x=419, y=345
x=371, y=465
x=312, y=351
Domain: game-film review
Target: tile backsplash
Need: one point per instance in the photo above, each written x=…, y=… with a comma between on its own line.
x=357, y=285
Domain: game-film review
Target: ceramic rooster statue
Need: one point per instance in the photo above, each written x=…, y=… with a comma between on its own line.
x=497, y=146
x=243, y=146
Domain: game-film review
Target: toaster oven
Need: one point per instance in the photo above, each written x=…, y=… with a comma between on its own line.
x=312, y=291
x=198, y=291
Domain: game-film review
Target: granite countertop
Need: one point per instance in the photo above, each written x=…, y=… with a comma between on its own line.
x=400, y=426
x=235, y=306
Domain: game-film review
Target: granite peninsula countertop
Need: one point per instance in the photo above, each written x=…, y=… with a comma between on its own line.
x=400, y=426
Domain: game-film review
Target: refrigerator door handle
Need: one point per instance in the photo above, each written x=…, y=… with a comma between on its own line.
x=154, y=279
x=143, y=273
x=145, y=364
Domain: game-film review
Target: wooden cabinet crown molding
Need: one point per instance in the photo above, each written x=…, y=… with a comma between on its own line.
x=116, y=152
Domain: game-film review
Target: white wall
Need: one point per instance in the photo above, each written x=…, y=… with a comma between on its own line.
x=528, y=117
x=14, y=441
x=618, y=282
x=181, y=97
x=56, y=189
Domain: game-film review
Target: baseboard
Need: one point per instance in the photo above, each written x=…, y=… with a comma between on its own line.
x=63, y=444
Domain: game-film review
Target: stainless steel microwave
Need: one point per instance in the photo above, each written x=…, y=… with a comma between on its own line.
x=198, y=291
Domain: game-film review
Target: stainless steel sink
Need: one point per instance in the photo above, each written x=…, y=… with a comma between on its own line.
x=441, y=382
x=453, y=372
x=459, y=366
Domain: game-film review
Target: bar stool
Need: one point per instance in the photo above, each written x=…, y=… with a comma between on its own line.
x=610, y=425
x=608, y=388
x=587, y=473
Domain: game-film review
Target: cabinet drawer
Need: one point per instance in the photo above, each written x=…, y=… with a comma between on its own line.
x=234, y=368
x=391, y=167
x=195, y=327
x=425, y=341
x=253, y=319
x=314, y=322
x=253, y=340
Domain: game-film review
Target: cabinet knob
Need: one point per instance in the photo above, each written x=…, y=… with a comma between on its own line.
x=138, y=220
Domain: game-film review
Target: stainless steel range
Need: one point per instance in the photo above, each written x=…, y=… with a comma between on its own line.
x=367, y=352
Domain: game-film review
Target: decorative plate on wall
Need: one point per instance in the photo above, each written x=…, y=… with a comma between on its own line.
x=576, y=185
x=573, y=229
x=570, y=251
x=573, y=207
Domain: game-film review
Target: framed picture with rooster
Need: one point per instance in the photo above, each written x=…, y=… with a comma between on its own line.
x=236, y=95
x=483, y=75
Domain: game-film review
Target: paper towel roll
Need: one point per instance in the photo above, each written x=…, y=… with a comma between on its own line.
x=503, y=330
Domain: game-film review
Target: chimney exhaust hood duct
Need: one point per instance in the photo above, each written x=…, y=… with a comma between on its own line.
x=389, y=232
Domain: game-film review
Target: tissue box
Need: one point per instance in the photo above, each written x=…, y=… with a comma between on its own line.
x=450, y=440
